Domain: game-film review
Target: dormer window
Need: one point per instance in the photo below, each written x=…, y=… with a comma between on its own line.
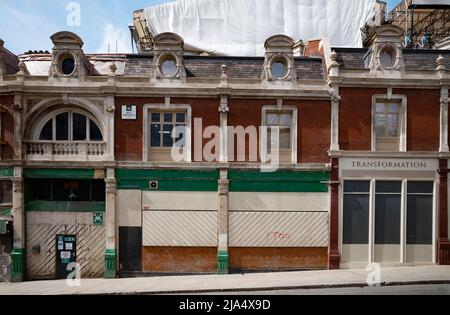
x=168, y=65
x=388, y=57
x=168, y=60
x=279, y=59
x=279, y=67
x=67, y=64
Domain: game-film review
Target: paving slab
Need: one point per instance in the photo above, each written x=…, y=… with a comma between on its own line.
x=234, y=282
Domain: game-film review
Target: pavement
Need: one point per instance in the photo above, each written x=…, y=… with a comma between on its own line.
x=248, y=282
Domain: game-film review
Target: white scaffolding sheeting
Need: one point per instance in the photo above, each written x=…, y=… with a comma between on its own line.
x=240, y=27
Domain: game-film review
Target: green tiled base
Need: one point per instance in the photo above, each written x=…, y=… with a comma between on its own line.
x=222, y=262
x=18, y=265
x=110, y=263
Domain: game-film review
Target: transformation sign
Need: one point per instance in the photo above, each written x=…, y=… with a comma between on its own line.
x=390, y=164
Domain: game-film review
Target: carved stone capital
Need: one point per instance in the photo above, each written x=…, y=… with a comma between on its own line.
x=110, y=108
x=335, y=97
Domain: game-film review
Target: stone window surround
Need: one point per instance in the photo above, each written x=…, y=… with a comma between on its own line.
x=402, y=125
x=165, y=107
x=37, y=127
x=294, y=127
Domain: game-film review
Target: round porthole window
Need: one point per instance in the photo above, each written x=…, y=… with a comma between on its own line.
x=388, y=57
x=169, y=66
x=67, y=64
x=279, y=68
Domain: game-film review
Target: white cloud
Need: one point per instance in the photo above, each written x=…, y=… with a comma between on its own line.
x=113, y=35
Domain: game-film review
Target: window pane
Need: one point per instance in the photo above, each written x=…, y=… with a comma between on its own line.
x=420, y=187
x=155, y=135
x=272, y=119
x=380, y=108
x=6, y=192
x=380, y=125
x=181, y=130
x=96, y=134
x=387, y=219
x=167, y=136
x=388, y=187
x=181, y=117
x=393, y=108
x=356, y=219
x=419, y=229
x=285, y=120
x=392, y=127
x=156, y=117
x=285, y=138
x=62, y=127
x=79, y=127
x=356, y=186
x=168, y=117
x=47, y=131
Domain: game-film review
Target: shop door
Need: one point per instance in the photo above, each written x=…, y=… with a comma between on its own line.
x=66, y=253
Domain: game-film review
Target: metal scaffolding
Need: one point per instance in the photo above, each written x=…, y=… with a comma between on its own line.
x=426, y=25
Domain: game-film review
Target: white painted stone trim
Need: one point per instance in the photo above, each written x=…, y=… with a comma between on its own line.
x=167, y=107
x=294, y=128
x=403, y=117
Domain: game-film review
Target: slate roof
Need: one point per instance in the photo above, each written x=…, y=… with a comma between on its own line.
x=238, y=67
x=415, y=60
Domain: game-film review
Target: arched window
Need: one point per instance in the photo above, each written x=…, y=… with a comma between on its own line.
x=70, y=126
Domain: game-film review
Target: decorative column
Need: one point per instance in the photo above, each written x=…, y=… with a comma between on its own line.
x=110, y=223
x=441, y=72
x=334, y=257
x=443, y=243
x=18, y=252
x=333, y=73
x=110, y=109
x=222, y=223
x=443, y=142
x=17, y=112
x=223, y=110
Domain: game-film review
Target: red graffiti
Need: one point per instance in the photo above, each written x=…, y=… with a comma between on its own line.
x=278, y=235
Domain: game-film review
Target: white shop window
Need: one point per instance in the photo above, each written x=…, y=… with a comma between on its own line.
x=388, y=221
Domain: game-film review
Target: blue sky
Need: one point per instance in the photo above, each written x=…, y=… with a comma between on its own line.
x=28, y=24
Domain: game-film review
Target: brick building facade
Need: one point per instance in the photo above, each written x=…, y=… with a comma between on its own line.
x=88, y=174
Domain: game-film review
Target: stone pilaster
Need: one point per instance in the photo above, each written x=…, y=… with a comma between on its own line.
x=110, y=224
x=18, y=253
x=17, y=112
x=334, y=257
x=110, y=108
x=443, y=243
x=223, y=110
x=222, y=223
x=443, y=142
x=333, y=72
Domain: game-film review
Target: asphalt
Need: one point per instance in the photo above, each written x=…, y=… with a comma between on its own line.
x=248, y=282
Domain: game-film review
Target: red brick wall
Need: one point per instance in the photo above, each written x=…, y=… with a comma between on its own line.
x=7, y=133
x=246, y=113
x=208, y=110
x=314, y=128
x=355, y=118
x=314, y=119
x=423, y=119
x=129, y=133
